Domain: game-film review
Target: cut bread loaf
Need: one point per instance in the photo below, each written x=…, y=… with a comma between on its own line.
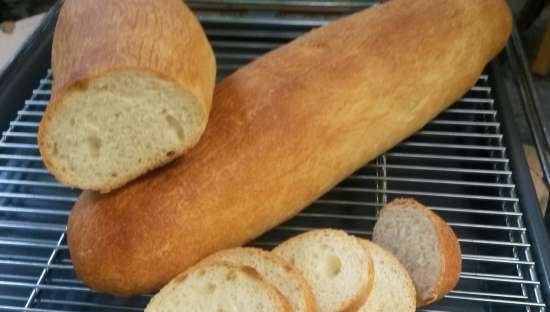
x=393, y=289
x=219, y=286
x=132, y=90
x=425, y=245
x=283, y=131
x=274, y=270
x=336, y=266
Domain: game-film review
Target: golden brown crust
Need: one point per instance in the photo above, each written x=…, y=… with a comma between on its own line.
x=283, y=131
x=95, y=38
x=451, y=256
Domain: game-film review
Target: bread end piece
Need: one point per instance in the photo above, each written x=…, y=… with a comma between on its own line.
x=218, y=286
x=129, y=100
x=424, y=243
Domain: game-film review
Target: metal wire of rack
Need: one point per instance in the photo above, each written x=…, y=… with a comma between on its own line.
x=457, y=164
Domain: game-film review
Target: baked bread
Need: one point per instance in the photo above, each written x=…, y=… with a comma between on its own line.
x=219, y=286
x=283, y=131
x=425, y=245
x=132, y=90
x=336, y=266
x=275, y=271
x=393, y=289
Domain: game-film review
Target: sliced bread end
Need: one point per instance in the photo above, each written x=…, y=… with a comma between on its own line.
x=424, y=243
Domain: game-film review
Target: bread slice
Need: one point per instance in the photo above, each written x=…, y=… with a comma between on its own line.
x=129, y=100
x=276, y=271
x=336, y=266
x=425, y=245
x=218, y=286
x=393, y=289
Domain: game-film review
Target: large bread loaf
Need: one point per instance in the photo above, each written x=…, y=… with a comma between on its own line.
x=283, y=131
x=132, y=90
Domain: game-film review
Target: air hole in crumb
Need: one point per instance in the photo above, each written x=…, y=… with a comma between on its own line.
x=94, y=145
x=230, y=276
x=114, y=174
x=72, y=122
x=117, y=115
x=210, y=288
x=176, y=126
x=139, y=161
x=55, y=150
x=170, y=153
x=333, y=265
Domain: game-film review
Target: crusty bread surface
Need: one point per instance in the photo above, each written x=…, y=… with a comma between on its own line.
x=283, y=131
x=275, y=270
x=132, y=90
x=336, y=266
x=219, y=286
x=424, y=243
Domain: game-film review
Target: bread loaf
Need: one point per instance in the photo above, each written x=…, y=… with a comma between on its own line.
x=132, y=90
x=424, y=243
x=284, y=130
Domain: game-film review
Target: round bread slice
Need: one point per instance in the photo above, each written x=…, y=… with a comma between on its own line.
x=393, y=289
x=276, y=271
x=218, y=286
x=336, y=266
x=424, y=243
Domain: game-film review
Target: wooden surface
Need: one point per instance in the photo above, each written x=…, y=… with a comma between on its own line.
x=537, y=176
x=541, y=64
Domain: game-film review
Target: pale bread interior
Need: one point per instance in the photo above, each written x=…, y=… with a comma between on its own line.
x=118, y=126
x=277, y=272
x=393, y=289
x=334, y=264
x=218, y=288
x=412, y=238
